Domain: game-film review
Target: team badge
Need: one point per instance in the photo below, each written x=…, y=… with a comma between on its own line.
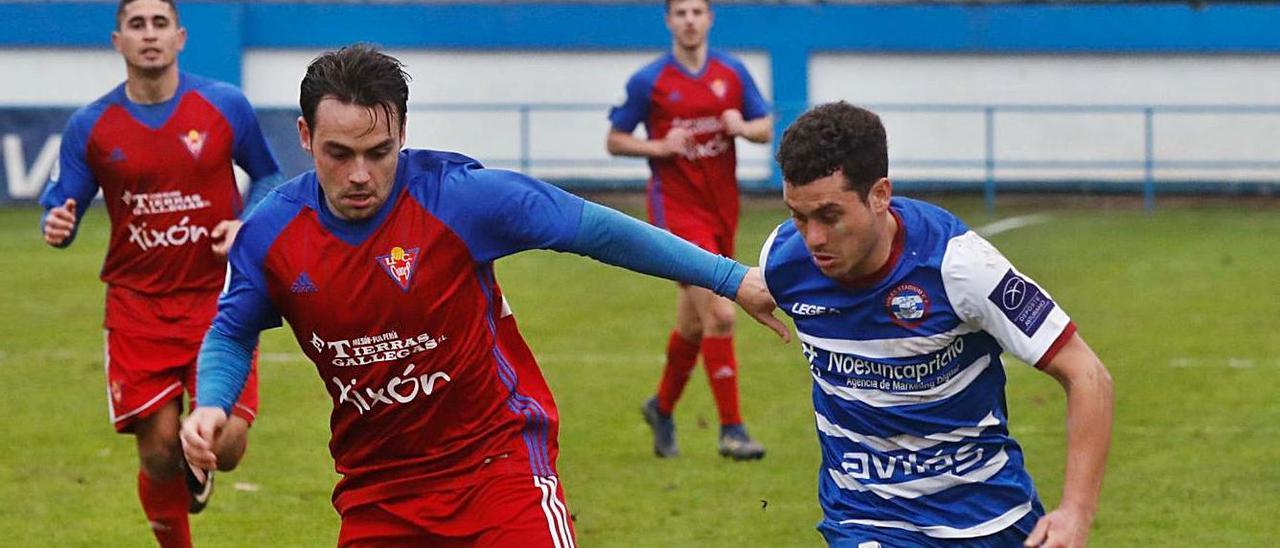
x=399, y=264
x=908, y=305
x=719, y=88
x=195, y=142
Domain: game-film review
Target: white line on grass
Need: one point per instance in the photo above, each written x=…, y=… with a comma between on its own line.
x=1012, y=223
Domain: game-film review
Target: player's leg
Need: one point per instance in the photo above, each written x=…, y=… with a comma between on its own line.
x=682, y=357
x=160, y=482
x=232, y=442
x=718, y=316
x=144, y=391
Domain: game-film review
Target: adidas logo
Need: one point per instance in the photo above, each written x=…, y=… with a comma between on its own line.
x=303, y=285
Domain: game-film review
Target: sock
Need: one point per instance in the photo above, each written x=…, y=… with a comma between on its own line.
x=682, y=356
x=165, y=503
x=722, y=375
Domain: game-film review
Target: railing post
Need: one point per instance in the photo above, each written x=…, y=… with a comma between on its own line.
x=525, y=161
x=989, y=187
x=1149, y=161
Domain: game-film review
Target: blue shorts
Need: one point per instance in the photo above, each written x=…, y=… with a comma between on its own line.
x=863, y=536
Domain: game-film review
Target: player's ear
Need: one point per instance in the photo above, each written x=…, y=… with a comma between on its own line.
x=115, y=40
x=879, y=194
x=182, y=38
x=304, y=134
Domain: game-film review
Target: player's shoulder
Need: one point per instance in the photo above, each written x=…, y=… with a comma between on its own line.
x=921, y=216
x=726, y=58
x=86, y=117
x=277, y=209
x=223, y=95
x=783, y=250
x=649, y=73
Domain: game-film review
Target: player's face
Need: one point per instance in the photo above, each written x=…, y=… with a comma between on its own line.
x=355, y=149
x=842, y=232
x=149, y=37
x=689, y=22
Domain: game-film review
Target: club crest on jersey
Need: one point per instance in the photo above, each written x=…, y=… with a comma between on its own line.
x=719, y=88
x=399, y=264
x=194, y=141
x=908, y=305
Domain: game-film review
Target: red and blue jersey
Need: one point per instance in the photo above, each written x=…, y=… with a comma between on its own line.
x=700, y=185
x=165, y=171
x=401, y=314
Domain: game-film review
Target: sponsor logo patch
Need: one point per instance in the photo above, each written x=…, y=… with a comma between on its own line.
x=1022, y=302
x=908, y=305
x=399, y=264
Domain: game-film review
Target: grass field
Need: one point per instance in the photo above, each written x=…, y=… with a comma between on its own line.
x=1181, y=305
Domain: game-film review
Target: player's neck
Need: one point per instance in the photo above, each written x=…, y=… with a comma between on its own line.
x=149, y=89
x=691, y=59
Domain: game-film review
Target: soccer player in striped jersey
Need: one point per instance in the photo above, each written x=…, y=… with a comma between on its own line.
x=903, y=313
x=161, y=147
x=381, y=260
x=694, y=103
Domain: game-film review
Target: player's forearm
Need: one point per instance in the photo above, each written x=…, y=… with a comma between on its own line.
x=626, y=144
x=759, y=130
x=1089, y=415
x=222, y=367
x=617, y=239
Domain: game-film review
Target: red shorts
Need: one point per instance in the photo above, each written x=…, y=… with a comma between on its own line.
x=144, y=374
x=499, y=511
x=704, y=226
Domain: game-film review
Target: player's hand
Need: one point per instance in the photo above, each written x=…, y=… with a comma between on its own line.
x=199, y=430
x=60, y=223
x=734, y=125
x=1065, y=527
x=676, y=141
x=754, y=297
x=224, y=235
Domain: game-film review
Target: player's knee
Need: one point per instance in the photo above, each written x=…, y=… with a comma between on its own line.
x=231, y=444
x=160, y=461
x=719, y=322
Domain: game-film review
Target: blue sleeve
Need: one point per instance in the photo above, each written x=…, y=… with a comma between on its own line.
x=222, y=367
x=249, y=147
x=753, y=104
x=258, y=191
x=498, y=212
x=617, y=239
x=72, y=178
x=635, y=108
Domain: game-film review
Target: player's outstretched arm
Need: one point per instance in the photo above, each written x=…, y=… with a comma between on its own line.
x=1090, y=397
x=617, y=239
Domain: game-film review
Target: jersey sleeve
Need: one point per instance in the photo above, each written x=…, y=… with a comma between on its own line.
x=245, y=308
x=987, y=291
x=753, y=104
x=250, y=150
x=499, y=212
x=635, y=108
x=72, y=178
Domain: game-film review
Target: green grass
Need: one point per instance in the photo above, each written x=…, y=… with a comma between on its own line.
x=1180, y=305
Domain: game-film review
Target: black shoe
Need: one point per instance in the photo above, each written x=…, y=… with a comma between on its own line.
x=664, y=429
x=200, y=485
x=736, y=443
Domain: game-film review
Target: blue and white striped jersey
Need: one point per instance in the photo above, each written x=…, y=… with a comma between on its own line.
x=908, y=387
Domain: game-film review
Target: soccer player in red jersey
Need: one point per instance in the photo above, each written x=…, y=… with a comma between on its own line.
x=381, y=259
x=694, y=101
x=160, y=147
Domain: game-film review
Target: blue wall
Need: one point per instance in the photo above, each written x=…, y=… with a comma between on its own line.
x=221, y=31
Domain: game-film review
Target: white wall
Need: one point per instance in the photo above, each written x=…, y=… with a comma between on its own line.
x=57, y=77
x=594, y=79
x=1060, y=79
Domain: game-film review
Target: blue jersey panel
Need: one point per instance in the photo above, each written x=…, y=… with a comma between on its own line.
x=249, y=146
x=73, y=178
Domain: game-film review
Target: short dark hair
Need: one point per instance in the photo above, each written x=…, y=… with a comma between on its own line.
x=358, y=74
x=831, y=137
x=120, y=10
x=669, y=2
